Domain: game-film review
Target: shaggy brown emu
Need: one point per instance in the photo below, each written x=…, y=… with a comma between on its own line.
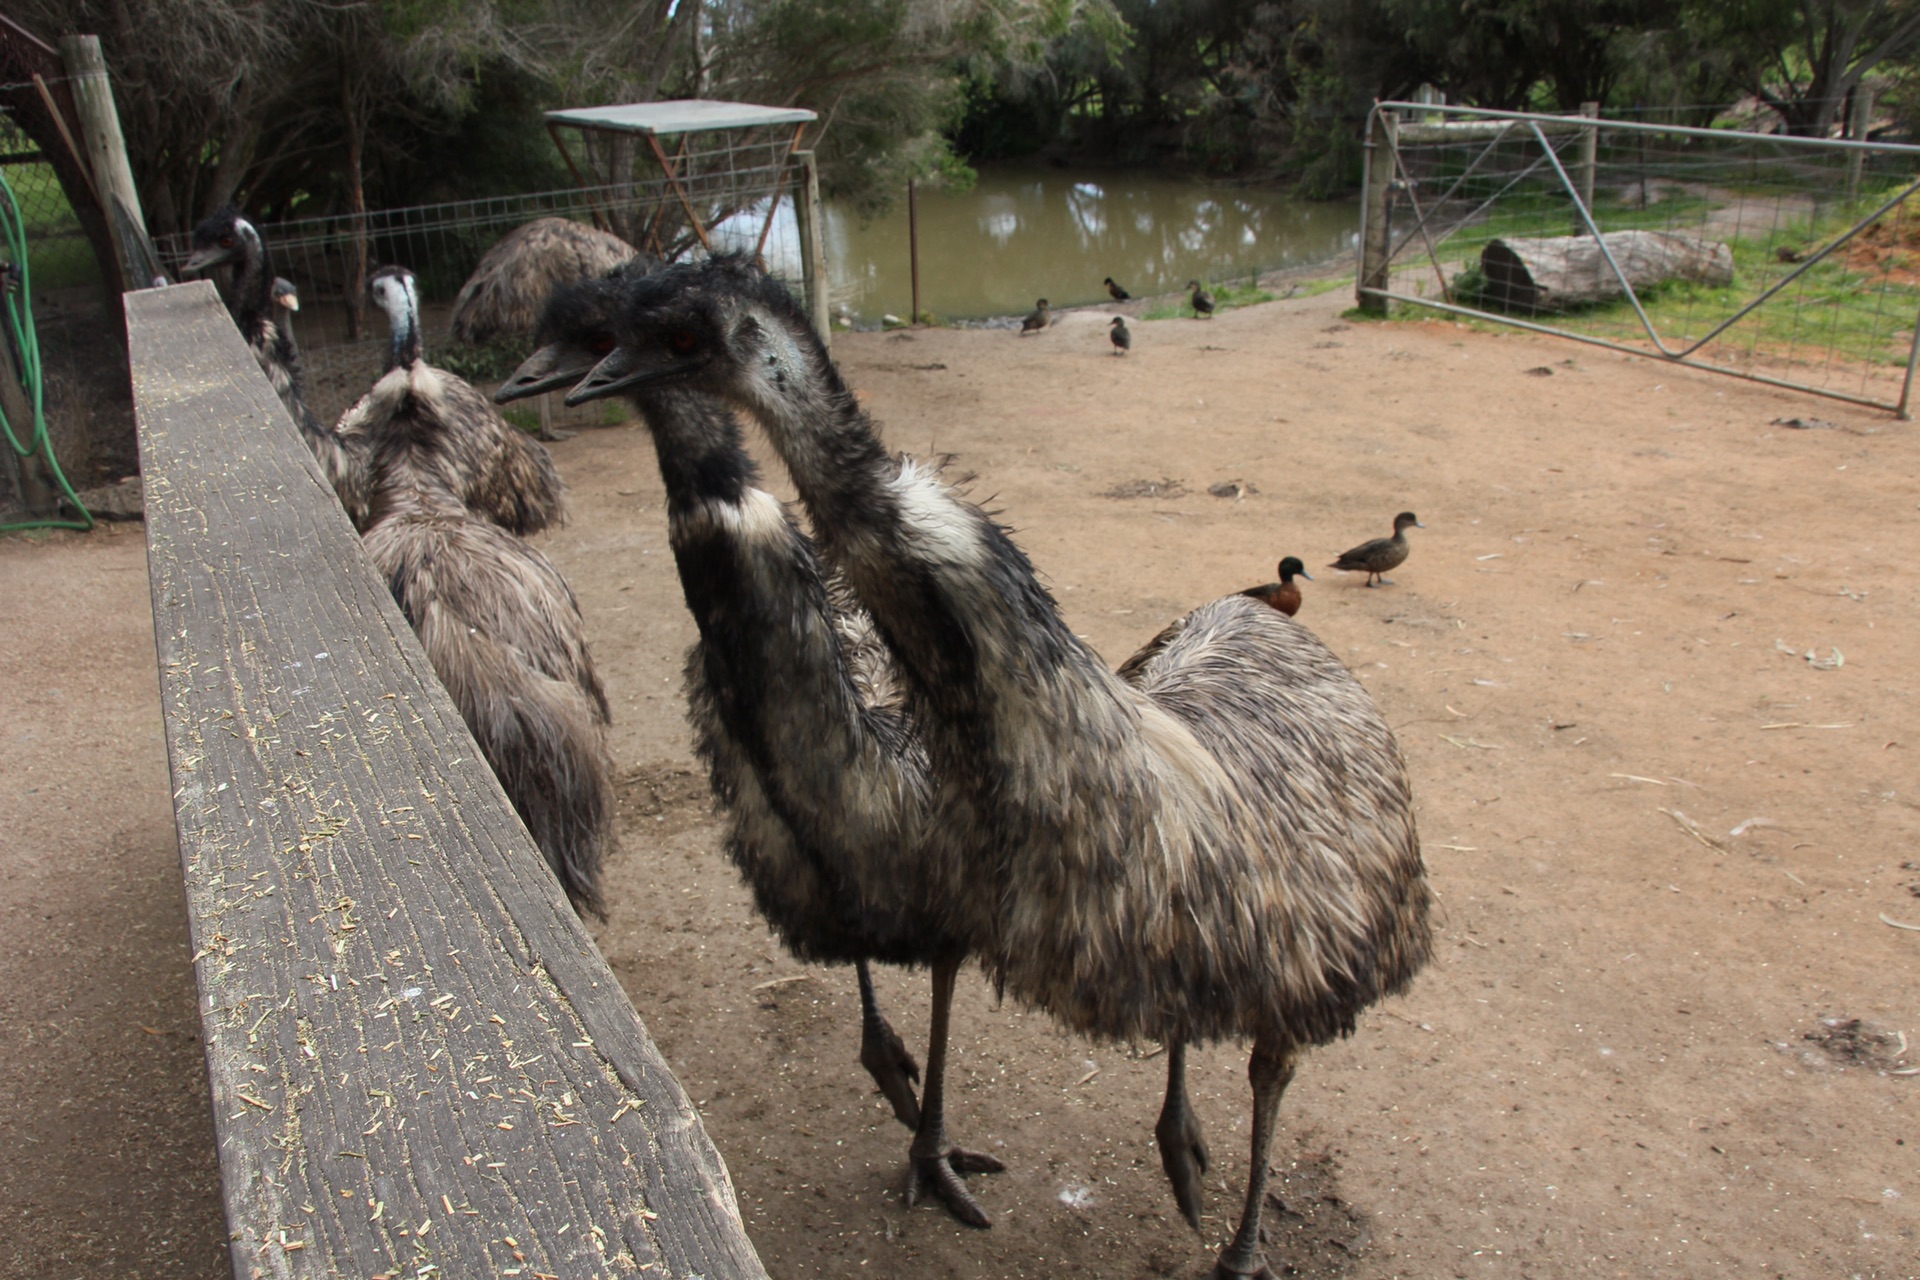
x=1223, y=848
x=794, y=710
x=492, y=466
x=226, y=239
x=498, y=622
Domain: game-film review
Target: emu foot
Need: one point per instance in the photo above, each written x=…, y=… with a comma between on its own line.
x=887, y=1060
x=940, y=1175
x=1221, y=1271
x=1183, y=1154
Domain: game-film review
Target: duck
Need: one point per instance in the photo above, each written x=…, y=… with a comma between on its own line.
x=1116, y=292
x=1202, y=300
x=1037, y=319
x=1374, y=558
x=1120, y=336
x=1283, y=595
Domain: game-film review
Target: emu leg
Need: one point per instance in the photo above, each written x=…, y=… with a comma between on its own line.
x=936, y=1164
x=1183, y=1151
x=547, y=430
x=885, y=1056
x=1270, y=1070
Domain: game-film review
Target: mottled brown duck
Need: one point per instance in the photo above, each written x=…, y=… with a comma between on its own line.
x=1376, y=557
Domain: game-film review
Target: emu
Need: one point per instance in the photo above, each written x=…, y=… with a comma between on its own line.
x=795, y=710
x=499, y=623
x=1222, y=848
x=493, y=467
x=225, y=238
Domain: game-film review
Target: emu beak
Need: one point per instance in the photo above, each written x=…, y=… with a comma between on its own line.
x=202, y=259
x=626, y=368
x=547, y=369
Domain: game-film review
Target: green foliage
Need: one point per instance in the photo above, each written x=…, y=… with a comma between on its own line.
x=490, y=363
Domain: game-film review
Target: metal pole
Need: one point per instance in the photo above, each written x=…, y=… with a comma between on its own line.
x=1589, y=159
x=1375, y=235
x=1904, y=410
x=913, y=243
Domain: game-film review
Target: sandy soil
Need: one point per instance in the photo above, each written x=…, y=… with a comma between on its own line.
x=1646, y=1046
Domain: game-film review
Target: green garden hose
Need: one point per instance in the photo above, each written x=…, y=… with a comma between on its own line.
x=18, y=318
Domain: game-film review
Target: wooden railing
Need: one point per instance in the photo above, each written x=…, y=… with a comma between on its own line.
x=421, y=1065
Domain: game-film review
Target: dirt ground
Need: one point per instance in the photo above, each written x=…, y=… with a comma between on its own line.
x=1653, y=663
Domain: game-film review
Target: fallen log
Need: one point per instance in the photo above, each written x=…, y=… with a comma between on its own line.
x=1570, y=271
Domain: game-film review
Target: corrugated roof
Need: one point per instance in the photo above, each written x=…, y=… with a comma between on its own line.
x=688, y=115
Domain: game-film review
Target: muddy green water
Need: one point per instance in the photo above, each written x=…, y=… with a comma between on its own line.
x=1022, y=235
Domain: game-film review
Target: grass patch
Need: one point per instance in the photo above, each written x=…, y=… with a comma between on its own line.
x=1225, y=298
x=1857, y=304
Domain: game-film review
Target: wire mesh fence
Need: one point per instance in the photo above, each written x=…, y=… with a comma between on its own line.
x=1787, y=260
x=344, y=349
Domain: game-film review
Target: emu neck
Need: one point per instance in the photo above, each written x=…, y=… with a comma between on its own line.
x=403, y=318
x=998, y=681
x=771, y=679
x=251, y=286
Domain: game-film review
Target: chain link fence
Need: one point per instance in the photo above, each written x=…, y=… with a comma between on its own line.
x=344, y=348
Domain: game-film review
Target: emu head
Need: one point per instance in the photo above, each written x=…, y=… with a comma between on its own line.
x=575, y=333
x=284, y=294
x=722, y=326
x=394, y=292
x=223, y=238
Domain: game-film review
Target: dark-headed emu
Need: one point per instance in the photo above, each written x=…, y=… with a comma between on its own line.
x=226, y=239
x=795, y=711
x=1219, y=846
x=494, y=468
x=499, y=624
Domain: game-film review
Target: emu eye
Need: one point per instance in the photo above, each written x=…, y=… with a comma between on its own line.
x=602, y=345
x=226, y=242
x=683, y=343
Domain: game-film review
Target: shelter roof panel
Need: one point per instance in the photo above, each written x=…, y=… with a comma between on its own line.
x=688, y=115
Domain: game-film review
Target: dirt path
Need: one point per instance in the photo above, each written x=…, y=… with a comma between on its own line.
x=1636, y=1052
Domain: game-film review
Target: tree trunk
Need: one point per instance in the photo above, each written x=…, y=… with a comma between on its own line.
x=1570, y=271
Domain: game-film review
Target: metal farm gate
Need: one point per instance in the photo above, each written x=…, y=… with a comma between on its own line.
x=1785, y=260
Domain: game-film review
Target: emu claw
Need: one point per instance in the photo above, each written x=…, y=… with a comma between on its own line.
x=892, y=1066
x=940, y=1175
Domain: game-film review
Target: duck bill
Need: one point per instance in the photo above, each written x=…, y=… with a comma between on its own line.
x=547, y=369
x=626, y=369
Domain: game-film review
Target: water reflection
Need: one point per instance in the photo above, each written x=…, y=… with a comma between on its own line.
x=1022, y=235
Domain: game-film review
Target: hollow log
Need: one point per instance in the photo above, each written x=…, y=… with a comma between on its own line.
x=1570, y=271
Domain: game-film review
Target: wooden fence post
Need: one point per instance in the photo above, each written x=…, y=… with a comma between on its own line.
x=813, y=256
x=1375, y=216
x=1589, y=161
x=1859, y=119
x=105, y=146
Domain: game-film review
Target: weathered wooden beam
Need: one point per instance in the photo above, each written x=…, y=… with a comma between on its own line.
x=421, y=1065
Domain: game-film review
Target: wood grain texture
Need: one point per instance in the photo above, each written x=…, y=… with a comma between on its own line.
x=421, y=1065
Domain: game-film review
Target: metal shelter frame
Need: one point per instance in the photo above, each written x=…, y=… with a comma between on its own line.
x=1394, y=127
x=706, y=199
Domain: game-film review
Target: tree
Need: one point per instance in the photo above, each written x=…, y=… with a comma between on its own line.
x=1804, y=58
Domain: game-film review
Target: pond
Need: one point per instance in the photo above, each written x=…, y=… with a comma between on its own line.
x=1019, y=235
